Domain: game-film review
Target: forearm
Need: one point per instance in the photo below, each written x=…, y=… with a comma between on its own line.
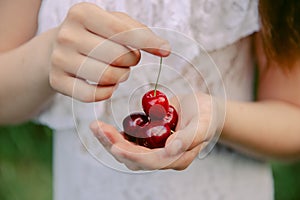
x=25, y=88
x=269, y=129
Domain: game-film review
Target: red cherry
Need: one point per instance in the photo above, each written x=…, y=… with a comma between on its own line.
x=154, y=135
x=133, y=125
x=171, y=118
x=156, y=104
x=153, y=128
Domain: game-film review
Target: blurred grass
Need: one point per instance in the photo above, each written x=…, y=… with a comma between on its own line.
x=286, y=180
x=26, y=166
x=25, y=162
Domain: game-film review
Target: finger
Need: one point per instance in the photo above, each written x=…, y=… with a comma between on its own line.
x=88, y=68
x=137, y=37
x=109, y=137
x=114, y=136
x=185, y=159
x=105, y=50
x=141, y=157
x=132, y=155
x=99, y=129
x=97, y=47
x=107, y=130
x=185, y=139
x=130, y=165
x=102, y=74
x=79, y=89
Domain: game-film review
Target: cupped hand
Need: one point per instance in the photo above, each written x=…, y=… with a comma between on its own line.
x=94, y=49
x=195, y=128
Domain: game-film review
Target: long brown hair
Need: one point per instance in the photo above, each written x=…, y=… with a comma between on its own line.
x=281, y=29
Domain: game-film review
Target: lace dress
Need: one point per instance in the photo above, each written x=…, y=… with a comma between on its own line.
x=221, y=27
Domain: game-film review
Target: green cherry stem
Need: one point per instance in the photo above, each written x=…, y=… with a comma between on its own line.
x=156, y=84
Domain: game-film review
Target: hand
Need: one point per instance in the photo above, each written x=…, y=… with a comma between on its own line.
x=194, y=130
x=97, y=71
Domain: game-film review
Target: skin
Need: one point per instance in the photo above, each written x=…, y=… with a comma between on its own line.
x=272, y=124
x=50, y=62
x=268, y=127
x=19, y=55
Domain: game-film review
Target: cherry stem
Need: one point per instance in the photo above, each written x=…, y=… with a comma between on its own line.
x=156, y=84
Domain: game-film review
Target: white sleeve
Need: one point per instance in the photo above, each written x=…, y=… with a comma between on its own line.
x=218, y=23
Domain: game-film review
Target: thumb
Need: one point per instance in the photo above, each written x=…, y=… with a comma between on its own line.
x=184, y=139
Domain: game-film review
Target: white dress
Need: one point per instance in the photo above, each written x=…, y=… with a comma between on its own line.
x=221, y=28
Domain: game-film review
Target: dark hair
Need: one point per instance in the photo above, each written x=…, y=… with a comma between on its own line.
x=281, y=29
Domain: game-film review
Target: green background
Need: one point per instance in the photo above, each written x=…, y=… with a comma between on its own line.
x=26, y=166
x=25, y=162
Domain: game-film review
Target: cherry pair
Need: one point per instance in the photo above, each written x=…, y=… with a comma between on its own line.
x=152, y=128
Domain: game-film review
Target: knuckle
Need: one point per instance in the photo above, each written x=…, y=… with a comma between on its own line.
x=54, y=80
x=77, y=11
x=57, y=58
x=66, y=36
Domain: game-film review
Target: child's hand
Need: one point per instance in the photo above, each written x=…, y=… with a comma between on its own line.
x=96, y=73
x=194, y=129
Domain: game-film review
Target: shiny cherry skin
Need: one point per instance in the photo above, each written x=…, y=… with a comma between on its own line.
x=155, y=105
x=171, y=118
x=133, y=124
x=154, y=135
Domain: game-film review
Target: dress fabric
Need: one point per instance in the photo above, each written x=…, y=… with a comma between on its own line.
x=221, y=28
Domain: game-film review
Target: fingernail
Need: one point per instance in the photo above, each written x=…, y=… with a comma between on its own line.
x=175, y=147
x=165, y=49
